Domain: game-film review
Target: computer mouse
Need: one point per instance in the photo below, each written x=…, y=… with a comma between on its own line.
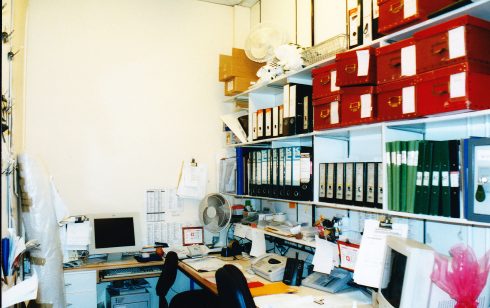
x=274, y=261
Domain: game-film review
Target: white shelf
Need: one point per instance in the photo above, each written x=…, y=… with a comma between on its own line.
x=286, y=238
x=294, y=138
x=480, y=9
x=450, y=220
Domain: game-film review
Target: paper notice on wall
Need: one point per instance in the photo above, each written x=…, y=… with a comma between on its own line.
x=370, y=259
x=193, y=182
x=362, y=62
x=323, y=260
x=258, y=243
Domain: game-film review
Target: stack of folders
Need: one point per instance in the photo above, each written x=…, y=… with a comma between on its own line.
x=359, y=183
x=423, y=177
x=283, y=173
x=294, y=116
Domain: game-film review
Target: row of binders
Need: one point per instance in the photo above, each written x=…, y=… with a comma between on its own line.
x=423, y=177
x=294, y=116
x=282, y=173
x=359, y=183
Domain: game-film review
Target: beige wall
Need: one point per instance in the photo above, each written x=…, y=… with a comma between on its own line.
x=119, y=92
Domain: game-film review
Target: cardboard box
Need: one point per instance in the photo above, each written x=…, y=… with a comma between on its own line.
x=397, y=100
x=356, y=67
x=392, y=65
x=237, y=65
x=326, y=112
x=358, y=106
x=236, y=85
x=324, y=81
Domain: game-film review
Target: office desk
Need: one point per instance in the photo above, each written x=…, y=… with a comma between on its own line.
x=124, y=263
x=331, y=300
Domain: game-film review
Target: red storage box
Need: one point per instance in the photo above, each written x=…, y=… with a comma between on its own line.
x=324, y=81
x=391, y=63
x=326, y=112
x=397, y=100
x=462, y=39
x=358, y=105
x=356, y=67
x=459, y=87
x=398, y=14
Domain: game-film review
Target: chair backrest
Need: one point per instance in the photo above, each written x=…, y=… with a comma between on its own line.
x=168, y=275
x=233, y=291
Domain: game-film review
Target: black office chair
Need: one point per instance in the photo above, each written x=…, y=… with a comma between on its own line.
x=233, y=291
x=167, y=277
x=192, y=298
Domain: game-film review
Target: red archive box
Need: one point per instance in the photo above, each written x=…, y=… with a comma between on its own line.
x=462, y=39
x=358, y=105
x=394, y=59
x=397, y=14
x=356, y=67
x=397, y=100
x=326, y=112
x=459, y=87
x=324, y=81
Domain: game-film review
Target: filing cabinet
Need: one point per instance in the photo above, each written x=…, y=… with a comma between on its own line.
x=80, y=289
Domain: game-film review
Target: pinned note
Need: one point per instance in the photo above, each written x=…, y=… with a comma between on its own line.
x=258, y=243
x=324, y=256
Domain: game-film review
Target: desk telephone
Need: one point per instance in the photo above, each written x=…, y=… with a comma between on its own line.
x=270, y=266
x=338, y=280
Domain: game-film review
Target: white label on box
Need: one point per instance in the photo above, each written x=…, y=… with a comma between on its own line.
x=457, y=85
x=445, y=178
x=305, y=168
x=426, y=178
x=362, y=62
x=334, y=112
x=408, y=61
x=408, y=100
x=333, y=81
x=454, y=178
x=435, y=178
x=230, y=85
x=409, y=8
x=457, y=42
x=366, y=106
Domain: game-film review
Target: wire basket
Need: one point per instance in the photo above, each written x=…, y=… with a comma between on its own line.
x=325, y=49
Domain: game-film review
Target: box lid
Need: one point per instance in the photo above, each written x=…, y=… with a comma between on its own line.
x=326, y=100
x=358, y=90
x=323, y=69
x=395, y=46
x=352, y=53
x=451, y=24
x=396, y=85
x=470, y=66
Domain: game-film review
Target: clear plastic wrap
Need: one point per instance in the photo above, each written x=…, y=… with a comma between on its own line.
x=40, y=222
x=463, y=277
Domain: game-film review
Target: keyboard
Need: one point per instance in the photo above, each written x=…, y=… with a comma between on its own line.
x=131, y=271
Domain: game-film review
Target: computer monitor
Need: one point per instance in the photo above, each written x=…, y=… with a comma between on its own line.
x=114, y=234
x=406, y=282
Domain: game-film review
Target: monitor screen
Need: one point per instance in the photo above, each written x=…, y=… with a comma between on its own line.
x=393, y=290
x=114, y=232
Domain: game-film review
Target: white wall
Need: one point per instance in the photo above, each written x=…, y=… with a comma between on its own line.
x=120, y=92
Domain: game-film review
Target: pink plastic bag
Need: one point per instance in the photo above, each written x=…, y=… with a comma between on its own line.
x=465, y=277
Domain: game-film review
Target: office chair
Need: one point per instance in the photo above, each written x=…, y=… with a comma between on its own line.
x=233, y=291
x=167, y=277
x=192, y=298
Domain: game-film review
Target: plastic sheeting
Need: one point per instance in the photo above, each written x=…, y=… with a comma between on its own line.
x=40, y=222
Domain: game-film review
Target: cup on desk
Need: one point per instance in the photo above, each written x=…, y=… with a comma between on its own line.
x=145, y=255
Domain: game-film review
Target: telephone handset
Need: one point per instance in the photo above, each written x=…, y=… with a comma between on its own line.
x=293, y=274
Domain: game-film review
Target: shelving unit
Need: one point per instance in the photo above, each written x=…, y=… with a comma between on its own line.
x=367, y=142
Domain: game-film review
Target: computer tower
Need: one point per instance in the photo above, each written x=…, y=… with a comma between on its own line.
x=141, y=298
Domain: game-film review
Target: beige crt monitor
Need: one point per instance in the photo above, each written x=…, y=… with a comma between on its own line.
x=406, y=282
x=114, y=234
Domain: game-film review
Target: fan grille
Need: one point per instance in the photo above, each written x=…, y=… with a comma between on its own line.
x=214, y=212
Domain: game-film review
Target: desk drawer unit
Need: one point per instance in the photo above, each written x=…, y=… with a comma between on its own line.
x=81, y=289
